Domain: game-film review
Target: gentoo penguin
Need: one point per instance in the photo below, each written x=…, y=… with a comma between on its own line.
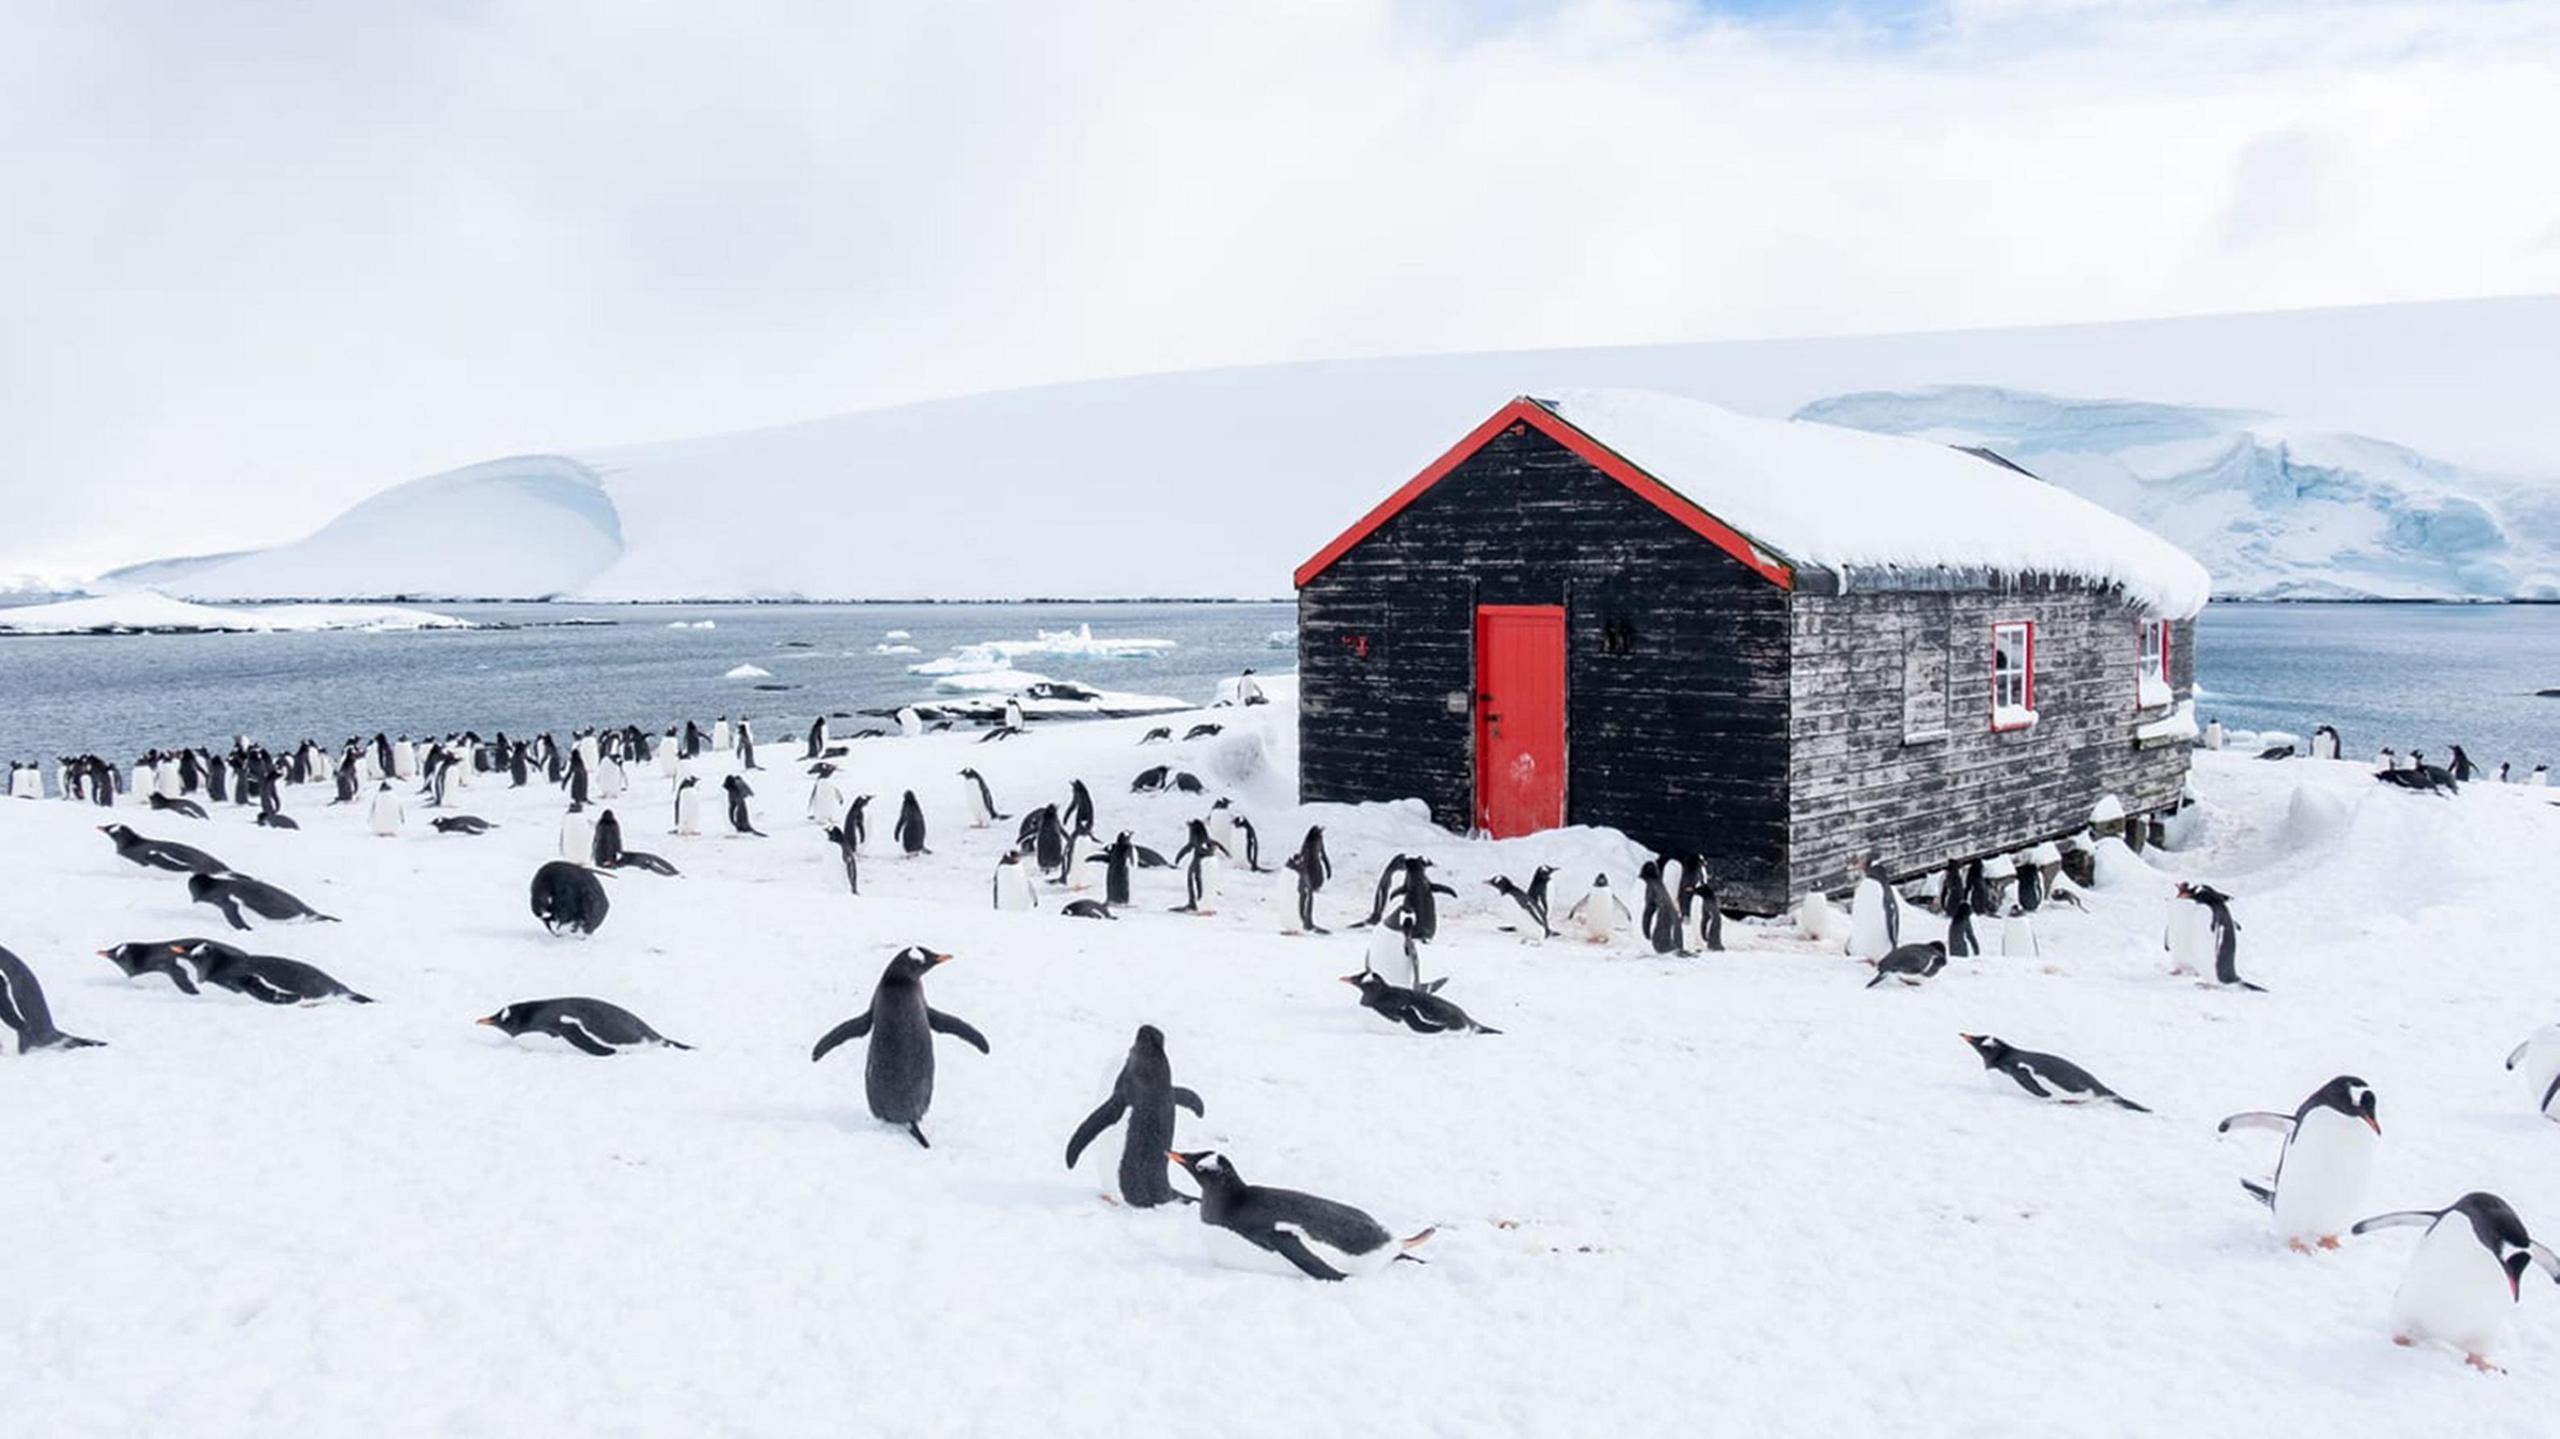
x=1597, y=915
x=579, y=792
x=2046, y=1076
x=1045, y=840
x=1249, y=690
x=1313, y=867
x=1281, y=1231
x=897, y=1075
x=610, y=779
x=982, y=803
x=1875, y=916
x=386, y=813
x=1222, y=825
x=1532, y=900
x=1663, y=928
x=1698, y=887
x=1078, y=814
x=1158, y=735
x=826, y=800
x=2018, y=933
x=1418, y=1008
x=1910, y=963
x=2540, y=777
x=2320, y=1178
x=23, y=1009
x=2461, y=766
x=817, y=738
x=1393, y=954
x=26, y=781
x=721, y=742
x=1415, y=897
x=1203, y=730
x=1149, y=780
x=184, y=808
x=460, y=824
x=740, y=822
x=2467, y=1272
x=1146, y=1094
x=909, y=831
x=232, y=893
x=568, y=896
x=153, y=957
x=2538, y=1060
x=2210, y=936
x=1118, y=858
x=1014, y=892
x=606, y=849
x=589, y=1025
x=1822, y=922
x=266, y=978
x=1200, y=879
x=1956, y=898
x=2324, y=742
x=2215, y=736
x=688, y=806
x=747, y=744
x=910, y=723
x=160, y=853
x=2503, y=766
x=577, y=835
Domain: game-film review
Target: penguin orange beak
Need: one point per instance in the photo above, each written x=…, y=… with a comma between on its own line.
x=2375, y=1123
x=1176, y=1156
x=486, y=1019
x=1350, y=979
x=1968, y=1038
x=942, y=959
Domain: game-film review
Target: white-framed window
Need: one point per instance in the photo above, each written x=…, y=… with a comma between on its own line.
x=2013, y=674
x=2151, y=682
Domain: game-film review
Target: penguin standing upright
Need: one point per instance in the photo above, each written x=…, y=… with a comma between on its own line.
x=1698, y=886
x=1118, y=858
x=2216, y=932
x=1957, y=900
x=740, y=822
x=826, y=798
x=1663, y=928
x=1393, y=954
x=817, y=738
x=577, y=835
x=850, y=853
x=24, y=1011
x=909, y=831
x=2018, y=933
x=910, y=723
x=348, y=770
x=578, y=774
x=1597, y=915
x=1417, y=897
x=2462, y=767
x=607, y=844
x=1875, y=916
x=2215, y=736
x=688, y=806
x=1078, y=817
x=1146, y=1094
x=747, y=744
x=982, y=801
x=2467, y=1273
x=720, y=740
x=1014, y=892
x=2538, y=1061
x=386, y=812
x=1200, y=877
x=2320, y=1178
x=1313, y=867
x=897, y=1075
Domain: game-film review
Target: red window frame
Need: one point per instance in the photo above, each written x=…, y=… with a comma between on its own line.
x=2027, y=679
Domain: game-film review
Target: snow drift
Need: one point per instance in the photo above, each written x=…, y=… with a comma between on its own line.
x=1216, y=483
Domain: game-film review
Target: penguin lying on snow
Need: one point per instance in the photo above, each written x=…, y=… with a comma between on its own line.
x=232, y=893
x=1911, y=963
x=154, y=957
x=897, y=1074
x=461, y=824
x=1420, y=1008
x=2467, y=1272
x=267, y=978
x=569, y=896
x=160, y=853
x=2046, y=1076
x=23, y=1010
x=2329, y=1141
x=1282, y=1231
x=590, y=1025
x=185, y=808
x=1146, y=1094
x=1087, y=909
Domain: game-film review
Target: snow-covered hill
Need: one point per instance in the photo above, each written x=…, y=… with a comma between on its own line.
x=1218, y=482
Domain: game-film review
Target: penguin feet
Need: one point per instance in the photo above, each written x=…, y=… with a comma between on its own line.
x=2481, y=1363
x=2298, y=1247
x=2404, y=1341
x=2328, y=1241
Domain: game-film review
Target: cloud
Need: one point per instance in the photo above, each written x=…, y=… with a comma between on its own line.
x=264, y=262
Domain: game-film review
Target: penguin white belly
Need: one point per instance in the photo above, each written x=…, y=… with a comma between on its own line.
x=26, y=784
x=166, y=782
x=2190, y=938
x=667, y=756
x=1597, y=923
x=1868, y=938
x=2320, y=1188
x=720, y=741
x=2454, y=1293
x=826, y=803
x=386, y=815
x=2018, y=937
x=910, y=724
x=609, y=781
x=1390, y=960
x=1211, y=880
x=1013, y=889
x=577, y=838
x=688, y=813
x=979, y=815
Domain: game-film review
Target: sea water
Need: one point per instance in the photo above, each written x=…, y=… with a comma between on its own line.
x=2410, y=676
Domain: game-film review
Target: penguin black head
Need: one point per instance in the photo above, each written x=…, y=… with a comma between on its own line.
x=1150, y=1037
x=511, y=1020
x=2349, y=1096
x=200, y=885
x=1206, y=1165
x=1992, y=1048
x=1599, y=881
x=914, y=961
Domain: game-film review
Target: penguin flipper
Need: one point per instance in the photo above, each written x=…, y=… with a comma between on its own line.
x=2544, y=1257
x=1103, y=1117
x=916, y=1130
x=2552, y=1093
x=957, y=1028
x=2257, y=1119
x=178, y=976
x=576, y=1034
x=1189, y=1099
x=2018, y=1072
x=1283, y=1241
x=2398, y=1219
x=2259, y=1192
x=854, y=1028
x=2517, y=1057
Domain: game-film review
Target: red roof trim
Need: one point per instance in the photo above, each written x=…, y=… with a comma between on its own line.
x=1599, y=456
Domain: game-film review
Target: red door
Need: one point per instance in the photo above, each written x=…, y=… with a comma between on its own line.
x=1519, y=718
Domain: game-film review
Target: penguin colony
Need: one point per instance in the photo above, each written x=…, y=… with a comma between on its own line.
x=2466, y=1269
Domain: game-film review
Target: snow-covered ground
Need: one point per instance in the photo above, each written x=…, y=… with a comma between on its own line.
x=1739, y=1193
x=139, y=610
x=1098, y=489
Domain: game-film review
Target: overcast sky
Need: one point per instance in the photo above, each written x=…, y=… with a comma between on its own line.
x=259, y=260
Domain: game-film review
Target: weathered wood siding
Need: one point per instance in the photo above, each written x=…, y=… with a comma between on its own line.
x=1859, y=787
x=1681, y=740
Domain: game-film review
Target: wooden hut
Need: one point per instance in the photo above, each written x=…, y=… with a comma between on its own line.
x=1781, y=645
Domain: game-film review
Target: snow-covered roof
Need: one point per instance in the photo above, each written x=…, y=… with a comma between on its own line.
x=1819, y=494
